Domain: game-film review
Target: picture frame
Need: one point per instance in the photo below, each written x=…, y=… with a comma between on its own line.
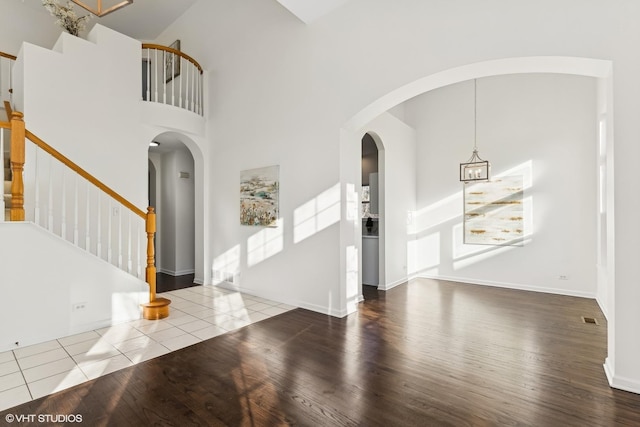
x=494, y=212
x=172, y=62
x=259, y=196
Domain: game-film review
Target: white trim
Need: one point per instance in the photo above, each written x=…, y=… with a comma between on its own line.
x=602, y=308
x=392, y=284
x=176, y=273
x=619, y=382
x=517, y=286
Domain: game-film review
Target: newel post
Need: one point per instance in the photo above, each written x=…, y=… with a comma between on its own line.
x=156, y=308
x=17, y=166
x=151, y=252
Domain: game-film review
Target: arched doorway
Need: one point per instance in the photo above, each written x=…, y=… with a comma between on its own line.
x=172, y=193
x=352, y=133
x=372, y=208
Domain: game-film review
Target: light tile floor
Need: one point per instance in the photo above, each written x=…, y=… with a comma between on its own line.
x=197, y=313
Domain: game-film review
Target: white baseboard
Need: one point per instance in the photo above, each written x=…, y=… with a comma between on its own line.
x=312, y=307
x=602, y=308
x=518, y=286
x=392, y=285
x=621, y=383
x=176, y=273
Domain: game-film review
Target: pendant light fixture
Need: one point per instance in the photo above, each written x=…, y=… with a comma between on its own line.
x=97, y=9
x=475, y=169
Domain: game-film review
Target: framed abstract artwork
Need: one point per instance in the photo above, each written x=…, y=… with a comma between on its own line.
x=493, y=212
x=259, y=196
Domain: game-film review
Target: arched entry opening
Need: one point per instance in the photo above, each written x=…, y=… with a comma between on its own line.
x=372, y=210
x=353, y=130
x=172, y=191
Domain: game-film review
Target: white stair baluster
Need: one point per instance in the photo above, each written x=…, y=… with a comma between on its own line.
x=129, y=259
x=109, y=234
x=87, y=221
x=50, y=207
x=148, y=75
x=165, y=56
x=180, y=102
x=138, y=257
x=36, y=207
x=174, y=57
x=119, y=236
x=192, y=88
x=99, y=224
x=155, y=71
x=63, y=226
x=75, y=210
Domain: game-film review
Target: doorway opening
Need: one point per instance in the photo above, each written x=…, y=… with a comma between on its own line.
x=371, y=214
x=172, y=193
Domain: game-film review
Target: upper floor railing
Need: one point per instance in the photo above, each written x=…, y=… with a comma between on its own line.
x=172, y=77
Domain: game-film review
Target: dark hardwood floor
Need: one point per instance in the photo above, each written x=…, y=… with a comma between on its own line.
x=428, y=353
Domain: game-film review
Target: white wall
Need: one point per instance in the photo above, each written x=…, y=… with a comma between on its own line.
x=38, y=298
x=540, y=126
x=280, y=89
x=82, y=87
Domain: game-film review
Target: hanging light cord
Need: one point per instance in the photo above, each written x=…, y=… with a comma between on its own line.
x=475, y=157
x=475, y=114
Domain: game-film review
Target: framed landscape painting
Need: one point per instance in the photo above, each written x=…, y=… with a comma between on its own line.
x=259, y=196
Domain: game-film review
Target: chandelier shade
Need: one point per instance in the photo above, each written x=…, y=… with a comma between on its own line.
x=474, y=169
x=96, y=7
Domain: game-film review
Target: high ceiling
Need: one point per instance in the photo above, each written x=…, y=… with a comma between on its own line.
x=146, y=19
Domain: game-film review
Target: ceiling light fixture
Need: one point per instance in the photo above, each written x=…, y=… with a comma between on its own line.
x=98, y=10
x=475, y=169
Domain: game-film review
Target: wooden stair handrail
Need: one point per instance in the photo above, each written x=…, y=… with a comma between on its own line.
x=86, y=175
x=8, y=109
x=8, y=56
x=174, y=51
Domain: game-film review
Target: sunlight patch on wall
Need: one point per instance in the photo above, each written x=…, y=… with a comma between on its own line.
x=424, y=254
x=226, y=266
x=125, y=306
x=317, y=214
x=466, y=255
x=438, y=213
x=265, y=243
x=353, y=207
x=352, y=272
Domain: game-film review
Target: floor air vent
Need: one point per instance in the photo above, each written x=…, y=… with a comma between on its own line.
x=590, y=320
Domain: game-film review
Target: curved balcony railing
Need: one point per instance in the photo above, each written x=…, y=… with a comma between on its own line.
x=171, y=77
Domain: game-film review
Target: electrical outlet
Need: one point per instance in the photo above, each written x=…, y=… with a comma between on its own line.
x=563, y=277
x=116, y=211
x=79, y=306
